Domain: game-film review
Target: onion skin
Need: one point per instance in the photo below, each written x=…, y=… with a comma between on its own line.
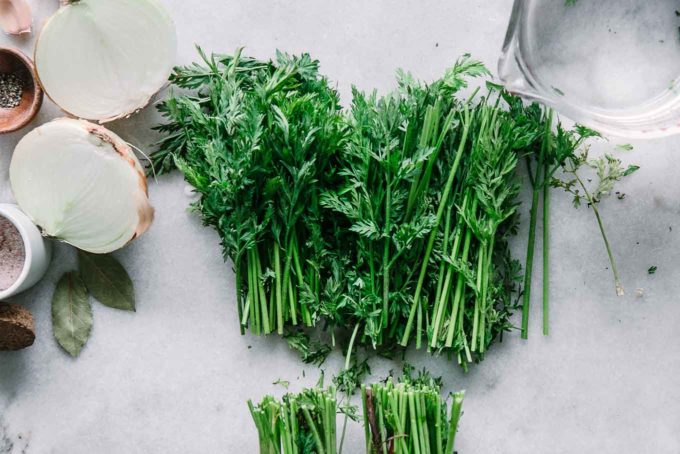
x=16, y=17
x=146, y=211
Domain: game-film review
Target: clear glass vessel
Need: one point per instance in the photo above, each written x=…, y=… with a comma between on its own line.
x=613, y=65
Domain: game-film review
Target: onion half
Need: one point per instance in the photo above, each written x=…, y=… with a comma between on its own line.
x=82, y=184
x=104, y=59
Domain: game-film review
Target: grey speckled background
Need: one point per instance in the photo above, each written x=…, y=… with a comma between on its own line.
x=173, y=377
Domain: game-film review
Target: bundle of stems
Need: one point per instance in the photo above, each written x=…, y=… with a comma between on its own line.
x=472, y=283
x=303, y=423
x=384, y=203
x=427, y=202
x=255, y=139
x=409, y=418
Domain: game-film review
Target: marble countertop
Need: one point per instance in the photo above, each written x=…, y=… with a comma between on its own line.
x=174, y=376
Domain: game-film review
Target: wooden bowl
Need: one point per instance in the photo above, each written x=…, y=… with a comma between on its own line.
x=15, y=61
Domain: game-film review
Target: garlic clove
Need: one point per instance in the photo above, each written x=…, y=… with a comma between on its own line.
x=15, y=16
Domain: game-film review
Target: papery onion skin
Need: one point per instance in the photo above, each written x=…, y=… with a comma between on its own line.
x=97, y=66
x=15, y=16
x=112, y=162
x=146, y=211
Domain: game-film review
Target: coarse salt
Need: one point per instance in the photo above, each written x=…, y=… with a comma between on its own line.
x=12, y=254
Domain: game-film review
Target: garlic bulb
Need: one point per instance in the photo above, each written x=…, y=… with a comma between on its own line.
x=104, y=59
x=15, y=16
x=82, y=184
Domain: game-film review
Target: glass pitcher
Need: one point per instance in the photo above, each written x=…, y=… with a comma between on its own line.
x=613, y=65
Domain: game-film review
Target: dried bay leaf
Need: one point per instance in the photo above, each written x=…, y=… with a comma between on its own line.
x=71, y=314
x=107, y=280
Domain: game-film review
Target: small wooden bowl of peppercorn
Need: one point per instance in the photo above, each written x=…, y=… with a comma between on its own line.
x=20, y=93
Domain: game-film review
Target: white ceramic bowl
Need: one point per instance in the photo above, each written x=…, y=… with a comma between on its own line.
x=38, y=250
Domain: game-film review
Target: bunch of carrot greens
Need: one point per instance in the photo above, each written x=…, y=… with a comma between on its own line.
x=256, y=140
x=389, y=220
x=424, y=204
x=303, y=423
x=410, y=416
x=401, y=416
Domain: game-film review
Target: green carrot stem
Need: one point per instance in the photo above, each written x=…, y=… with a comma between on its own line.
x=293, y=436
x=428, y=127
x=277, y=284
x=386, y=253
x=440, y=276
x=239, y=295
x=289, y=429
x=547, y=176
x=248, y=310
x=546, y=252
x=286, y=282
x=617, y=279
x=485, y=299
x=456, y=408
x=263, y=296
x=425, y=181
x=446, y=287
x=315, y=432
x=424, y=429
x=348, y=357
x=438, y=426
x=459, y=296
x=364, y=410
x=529, y=266
x=256, y=293
x=351, y=346
x=438, y=218
x=475, y=319
x=414, y=423
x=304, y=310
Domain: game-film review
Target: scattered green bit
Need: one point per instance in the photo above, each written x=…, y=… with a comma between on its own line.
x=281, y=382
x=652, y=270
x=558, y=91
x=624, y=147
x=630, y=169
x=311, y=351
x=349, y=379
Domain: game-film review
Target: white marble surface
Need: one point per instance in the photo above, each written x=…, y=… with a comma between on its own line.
x=174, y=377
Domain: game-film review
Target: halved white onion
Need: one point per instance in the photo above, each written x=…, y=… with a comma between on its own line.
x=82, y=184
x=104, y=59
